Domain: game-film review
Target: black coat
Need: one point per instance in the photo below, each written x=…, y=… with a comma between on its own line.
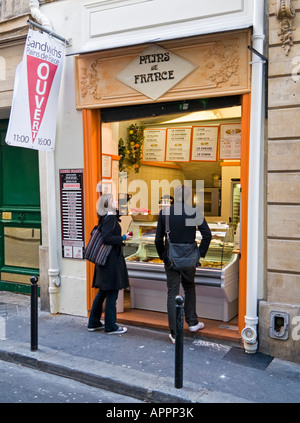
x=113, y=275
x=180, y=230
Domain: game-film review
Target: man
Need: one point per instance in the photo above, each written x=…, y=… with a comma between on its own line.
x=183, y=220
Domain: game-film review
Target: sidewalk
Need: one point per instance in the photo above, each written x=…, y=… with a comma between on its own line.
x=140, y=363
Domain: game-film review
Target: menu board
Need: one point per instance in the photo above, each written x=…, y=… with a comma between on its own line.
x=106, y=166
x=205, y=143
x=154, y=145
x=72, y=215
x=178, y=144
x=230, y=141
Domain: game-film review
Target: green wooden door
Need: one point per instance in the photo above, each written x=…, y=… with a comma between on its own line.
x=20, y=219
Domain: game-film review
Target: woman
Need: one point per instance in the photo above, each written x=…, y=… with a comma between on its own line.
x=111, y=277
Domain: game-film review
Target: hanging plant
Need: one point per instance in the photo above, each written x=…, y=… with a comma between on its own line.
x=130, y=151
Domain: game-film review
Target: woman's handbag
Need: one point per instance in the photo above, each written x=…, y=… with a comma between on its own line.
x=181, y=256
x=96, y=251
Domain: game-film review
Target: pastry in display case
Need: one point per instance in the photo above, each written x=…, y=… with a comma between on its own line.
x=221, y=247
x=141, y=247
x=216, y=279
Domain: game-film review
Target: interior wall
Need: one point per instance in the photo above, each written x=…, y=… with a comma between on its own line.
x=113, y=131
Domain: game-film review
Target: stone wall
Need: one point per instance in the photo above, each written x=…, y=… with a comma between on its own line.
x=11, y=8
x=283, y=181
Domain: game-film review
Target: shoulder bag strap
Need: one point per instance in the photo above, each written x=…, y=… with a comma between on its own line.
x=167, y=225
x=115, y=221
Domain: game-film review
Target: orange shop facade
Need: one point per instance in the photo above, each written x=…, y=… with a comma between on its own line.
x=185, y=84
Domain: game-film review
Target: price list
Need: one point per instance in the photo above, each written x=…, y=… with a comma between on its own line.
x=178, y=144
x=205, y=143
x=154, y=145
x=72, y=213
x=230, y=142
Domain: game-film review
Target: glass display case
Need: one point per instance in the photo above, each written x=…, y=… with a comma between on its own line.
x=141, y=248
x=216, y=279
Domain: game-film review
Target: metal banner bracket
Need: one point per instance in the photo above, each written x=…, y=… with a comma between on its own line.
x=266, y=72
x=41, y=28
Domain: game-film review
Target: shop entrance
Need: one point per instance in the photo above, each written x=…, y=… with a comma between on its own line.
x=20, y=221
x=222, y=176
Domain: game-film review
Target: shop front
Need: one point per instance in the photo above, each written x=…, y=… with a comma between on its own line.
x=159, y=115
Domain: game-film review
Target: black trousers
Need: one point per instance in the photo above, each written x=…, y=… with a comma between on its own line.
x=187, y=279
x=110, y=298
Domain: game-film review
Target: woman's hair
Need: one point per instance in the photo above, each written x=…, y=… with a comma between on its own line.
x=105, y=205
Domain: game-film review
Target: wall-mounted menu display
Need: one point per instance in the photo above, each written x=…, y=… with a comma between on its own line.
x=106, y=166
x=230, y=141
x=154, y=147
x=72, y=213
x=205, y=143
x=178, y=144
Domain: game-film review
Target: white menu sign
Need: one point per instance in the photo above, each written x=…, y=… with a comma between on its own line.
x=154, y=145
x=178, y=144
x=230, y=141
x=205, y=143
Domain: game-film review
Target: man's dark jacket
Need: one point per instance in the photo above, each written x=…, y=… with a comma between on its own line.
x=183, y=222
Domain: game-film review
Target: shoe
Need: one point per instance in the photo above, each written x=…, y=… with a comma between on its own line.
x=197, y=327
x=119, y=331
x=171, y=337
x=95, y=329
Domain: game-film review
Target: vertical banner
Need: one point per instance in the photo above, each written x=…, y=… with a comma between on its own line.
x=32, y=122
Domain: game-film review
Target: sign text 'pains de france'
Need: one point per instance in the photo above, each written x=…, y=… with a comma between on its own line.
x=32, y=122
x=155, y=71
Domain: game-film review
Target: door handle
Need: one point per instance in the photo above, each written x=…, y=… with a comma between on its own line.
x=21, y=218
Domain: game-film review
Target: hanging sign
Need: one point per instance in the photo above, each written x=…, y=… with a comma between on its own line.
x=32, y=122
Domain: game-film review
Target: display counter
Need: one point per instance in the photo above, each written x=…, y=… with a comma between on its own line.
x=216, y=280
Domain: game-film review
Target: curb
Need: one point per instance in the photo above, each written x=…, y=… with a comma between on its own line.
x=117, y=379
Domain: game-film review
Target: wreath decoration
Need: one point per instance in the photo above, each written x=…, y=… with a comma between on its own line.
x=130, y=151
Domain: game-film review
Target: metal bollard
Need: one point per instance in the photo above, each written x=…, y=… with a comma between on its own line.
x=34, y=313
x=179, y=343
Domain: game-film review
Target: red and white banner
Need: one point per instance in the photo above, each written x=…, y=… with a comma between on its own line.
x=32, y=122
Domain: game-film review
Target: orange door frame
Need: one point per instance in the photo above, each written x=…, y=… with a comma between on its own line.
x=245, y=125
x=92, y=175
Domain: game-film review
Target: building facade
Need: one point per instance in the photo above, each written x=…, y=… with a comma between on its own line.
x=279, y=309
x=111, y=44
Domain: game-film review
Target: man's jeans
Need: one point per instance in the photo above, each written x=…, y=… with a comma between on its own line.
x=187, y=279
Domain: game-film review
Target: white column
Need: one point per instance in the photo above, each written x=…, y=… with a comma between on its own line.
x=255, y=175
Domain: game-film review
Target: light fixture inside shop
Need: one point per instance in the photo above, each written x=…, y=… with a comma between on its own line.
x=216, y=114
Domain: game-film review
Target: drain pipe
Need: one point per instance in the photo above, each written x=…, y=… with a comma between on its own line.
x=249, y=333
x=53, y=271
x=34, y=6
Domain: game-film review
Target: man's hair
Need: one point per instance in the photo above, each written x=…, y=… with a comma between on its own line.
x=182, y=193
